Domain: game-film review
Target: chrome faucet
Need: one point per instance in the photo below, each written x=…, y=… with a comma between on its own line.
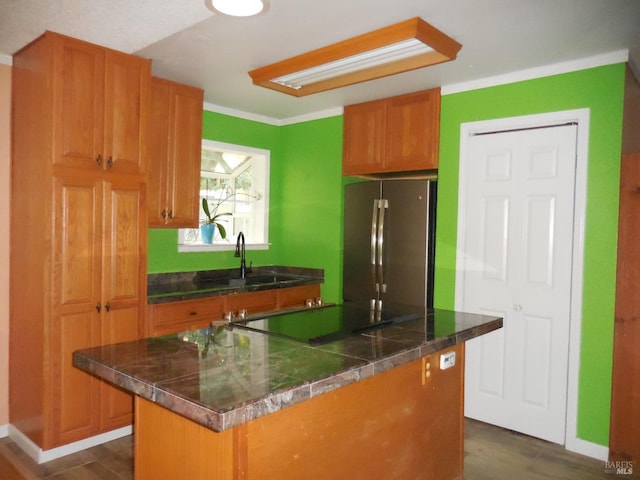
x=240, y=252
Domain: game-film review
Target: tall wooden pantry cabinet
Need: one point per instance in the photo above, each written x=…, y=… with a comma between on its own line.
x=78, y=231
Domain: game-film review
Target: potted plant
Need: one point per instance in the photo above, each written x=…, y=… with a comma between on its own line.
x=208, y=227
x=212, y=222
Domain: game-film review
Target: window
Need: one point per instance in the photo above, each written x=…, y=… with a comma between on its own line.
x=234, y=183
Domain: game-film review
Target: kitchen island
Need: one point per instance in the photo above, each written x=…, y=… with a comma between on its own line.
x=232, y=403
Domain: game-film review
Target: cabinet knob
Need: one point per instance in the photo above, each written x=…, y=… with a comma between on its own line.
x=110, y=162
x=98, y=308
x=107, y=306
x=99, y=160
x=170, y=213
x=164, y=213
x=193, y=313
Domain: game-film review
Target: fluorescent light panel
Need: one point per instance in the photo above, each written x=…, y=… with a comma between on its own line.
x=394, y=49
x=372, y=58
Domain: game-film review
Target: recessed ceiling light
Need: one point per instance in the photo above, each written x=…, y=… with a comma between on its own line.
x=237, y=8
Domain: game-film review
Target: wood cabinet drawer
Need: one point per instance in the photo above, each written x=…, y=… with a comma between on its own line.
x=176, y=316
x=253, y=302
x=296, y=296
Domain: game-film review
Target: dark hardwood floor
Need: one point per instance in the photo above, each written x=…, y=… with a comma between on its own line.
x=491, y=453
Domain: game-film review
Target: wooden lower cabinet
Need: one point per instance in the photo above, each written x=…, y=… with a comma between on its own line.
x=297, y=296
x=99, y=298
x=179, y=316
x=253, y=302
x=173, y=317
x=398, y=424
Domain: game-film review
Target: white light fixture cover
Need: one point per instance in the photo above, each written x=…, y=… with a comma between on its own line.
x=354, y=63
x=238, y=8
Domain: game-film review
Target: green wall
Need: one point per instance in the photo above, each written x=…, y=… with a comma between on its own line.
x=311, y=213
x=601, y=90
x=305, y=206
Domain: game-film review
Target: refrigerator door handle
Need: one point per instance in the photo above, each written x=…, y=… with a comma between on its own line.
x=383, y=205
x=374, y=241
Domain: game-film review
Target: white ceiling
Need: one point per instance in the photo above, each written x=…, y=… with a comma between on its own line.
x=188, y=43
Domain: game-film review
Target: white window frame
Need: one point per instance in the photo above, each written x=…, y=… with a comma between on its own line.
x=218, y=247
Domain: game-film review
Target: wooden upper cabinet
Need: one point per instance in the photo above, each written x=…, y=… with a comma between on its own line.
x=175, y=142
x=396, y=134
x=99, y=98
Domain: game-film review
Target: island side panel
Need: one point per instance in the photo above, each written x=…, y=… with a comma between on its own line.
x=398, y=424
x=168, y=446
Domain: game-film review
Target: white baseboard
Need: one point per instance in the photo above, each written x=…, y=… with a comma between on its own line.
x=4, y=431
x=43, y=456
x=589, y=449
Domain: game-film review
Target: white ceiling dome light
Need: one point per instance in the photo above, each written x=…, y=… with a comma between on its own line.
x=237, y=8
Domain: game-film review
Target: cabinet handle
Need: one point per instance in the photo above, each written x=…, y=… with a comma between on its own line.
x=98, y=308
x=110, y=162
x=107, y=306
x=99, y=160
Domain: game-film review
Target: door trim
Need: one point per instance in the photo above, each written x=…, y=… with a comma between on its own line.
x=582, y=118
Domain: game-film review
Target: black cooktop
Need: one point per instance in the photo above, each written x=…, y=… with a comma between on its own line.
x=329, y=323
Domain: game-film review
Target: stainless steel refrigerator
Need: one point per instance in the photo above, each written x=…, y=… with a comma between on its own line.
x=389, y=244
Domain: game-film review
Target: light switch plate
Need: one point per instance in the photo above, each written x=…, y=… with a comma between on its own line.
x=447, y=360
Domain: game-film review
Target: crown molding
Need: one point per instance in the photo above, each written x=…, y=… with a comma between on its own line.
x=619, y=56
x=277, y=122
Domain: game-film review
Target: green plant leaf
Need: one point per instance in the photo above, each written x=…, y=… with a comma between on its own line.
x=205, y=207
x=223, y=231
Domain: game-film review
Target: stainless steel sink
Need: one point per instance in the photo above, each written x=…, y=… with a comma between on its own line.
x=252, y=280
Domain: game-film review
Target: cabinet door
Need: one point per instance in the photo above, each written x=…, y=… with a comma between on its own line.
x=175, y=142
x=126, y=98
x=78, y=82
x=123, y=282
x=75, y=318
x=413, y=123
x=364, y=137
x=185, y=156
x=158, y=152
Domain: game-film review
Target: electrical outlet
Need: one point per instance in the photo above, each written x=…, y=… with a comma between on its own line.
x=426, y=370
x=447, y=360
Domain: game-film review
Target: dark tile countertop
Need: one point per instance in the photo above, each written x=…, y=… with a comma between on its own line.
x=225, y=376
x=171, y=287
